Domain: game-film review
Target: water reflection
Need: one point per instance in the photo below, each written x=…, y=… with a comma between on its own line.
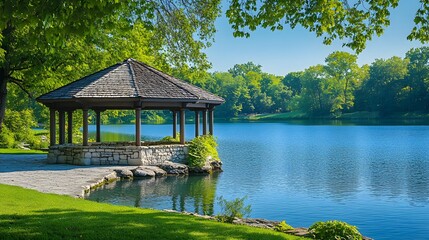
x=183, y=193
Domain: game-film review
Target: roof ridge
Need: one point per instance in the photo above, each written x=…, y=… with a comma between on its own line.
x=157, y=72
x=133, y=76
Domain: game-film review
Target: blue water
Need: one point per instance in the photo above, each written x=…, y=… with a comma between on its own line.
x=374, y=177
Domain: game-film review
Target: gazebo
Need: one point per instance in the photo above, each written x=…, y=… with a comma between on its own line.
x=129, y=85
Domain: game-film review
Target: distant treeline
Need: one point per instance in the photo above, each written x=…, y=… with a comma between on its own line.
x=387, y=86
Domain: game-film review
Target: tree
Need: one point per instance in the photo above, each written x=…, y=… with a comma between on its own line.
x=344, y=77
x=315, y=98
x=418, y=79
x=37, y=37
x=386, y=79
x=243, y=69
x=293, y=81
x=232, y=90
x=353, y=22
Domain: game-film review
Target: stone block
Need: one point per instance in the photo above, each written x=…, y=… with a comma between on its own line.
x=135, y=162
x=61, y=159
x=86, y=161
x=95, y=161
x=52, y=159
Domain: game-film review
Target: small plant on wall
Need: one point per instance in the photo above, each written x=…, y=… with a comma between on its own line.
x=170, y=139
x=201, y=149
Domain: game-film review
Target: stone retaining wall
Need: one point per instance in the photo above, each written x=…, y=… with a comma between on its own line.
x=117, y=154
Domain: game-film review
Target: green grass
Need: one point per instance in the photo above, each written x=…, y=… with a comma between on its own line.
x=40, y=132
x=279, y=116
x=273, y=116
x=20, y=151
x=28, y=214
x=362, y=115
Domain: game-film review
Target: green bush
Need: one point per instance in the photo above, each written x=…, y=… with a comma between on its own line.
x=17, y=127
x=335, y=230
x=283, y=227
x=38, y=142
x=200, y=149
x=170, y=139
x=232, y=209
x=20, y=124
x=7, y=139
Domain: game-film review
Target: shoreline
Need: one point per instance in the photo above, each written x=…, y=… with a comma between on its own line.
x=32, y=172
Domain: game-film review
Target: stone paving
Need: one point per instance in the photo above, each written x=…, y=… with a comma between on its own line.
x=32, y=171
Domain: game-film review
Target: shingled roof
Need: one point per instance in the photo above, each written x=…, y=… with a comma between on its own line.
x=131, y=81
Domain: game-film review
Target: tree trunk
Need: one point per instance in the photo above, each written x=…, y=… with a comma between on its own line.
x=3, y=95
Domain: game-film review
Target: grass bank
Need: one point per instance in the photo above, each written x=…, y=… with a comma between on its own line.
x=346, y=116
x=28, y=214
x=20, y=151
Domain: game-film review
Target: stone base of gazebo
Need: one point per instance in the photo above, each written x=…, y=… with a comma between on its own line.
x=117, y=154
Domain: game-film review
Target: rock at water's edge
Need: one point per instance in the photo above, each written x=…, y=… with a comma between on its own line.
x=124, y=173
x=158, y=171
x=142, y=172
x=209, y=167
x=174, y=168
x=216, y=165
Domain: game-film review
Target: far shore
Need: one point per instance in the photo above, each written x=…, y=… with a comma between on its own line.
x=354, y=116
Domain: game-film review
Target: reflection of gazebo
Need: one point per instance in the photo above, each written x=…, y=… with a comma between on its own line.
x=128, y=85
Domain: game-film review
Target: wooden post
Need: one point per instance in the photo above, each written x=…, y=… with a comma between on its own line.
x=205, y=122
x=62, y=126
x=85, y=127
x=211, y=121
x=70, y=126
x=182, y=126
x=98, y=126
x=197, y=123
x=174, y=124
x=138, y=126
x=52, y=133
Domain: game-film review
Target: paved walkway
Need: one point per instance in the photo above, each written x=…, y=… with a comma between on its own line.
x=32, y=171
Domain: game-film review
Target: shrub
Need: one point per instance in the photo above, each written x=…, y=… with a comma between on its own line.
x=232, y=209
x=170, y=139
x=39, y=142
x=283, y=227
x=200, y=149
x=17, y=128
x=7, y=139
x=335, y=230
x=20, y=124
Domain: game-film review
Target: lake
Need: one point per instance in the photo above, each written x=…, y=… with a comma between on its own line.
x=373, y=176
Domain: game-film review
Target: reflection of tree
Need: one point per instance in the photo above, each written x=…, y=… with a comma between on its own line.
x=342, y=172
x=200, y=190
x=418, y=181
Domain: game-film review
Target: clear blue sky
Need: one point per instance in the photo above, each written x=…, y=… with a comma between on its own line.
x=281, y=52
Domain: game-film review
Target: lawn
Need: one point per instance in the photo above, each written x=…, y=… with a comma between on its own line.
x=28, y=214
x=20, y=151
